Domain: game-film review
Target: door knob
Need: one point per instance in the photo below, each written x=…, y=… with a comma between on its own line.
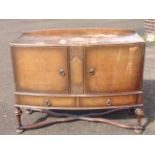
x=109, y=102
x=47, y=103
x=91, y=71
x=62, y=72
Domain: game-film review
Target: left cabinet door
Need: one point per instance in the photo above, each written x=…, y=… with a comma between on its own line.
x=41, y=69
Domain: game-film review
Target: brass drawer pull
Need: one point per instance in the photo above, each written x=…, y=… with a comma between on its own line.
x=62, y=72
x=47, y=103
x=91, y=71
x=109, y=102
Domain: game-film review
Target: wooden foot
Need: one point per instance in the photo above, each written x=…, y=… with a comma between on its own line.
x=19, y=130
x=29, y=111
x=138, y=131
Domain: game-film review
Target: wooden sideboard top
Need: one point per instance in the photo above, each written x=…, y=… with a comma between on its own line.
x=77, y=37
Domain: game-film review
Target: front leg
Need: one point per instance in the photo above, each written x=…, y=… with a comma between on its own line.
x=18, y=117
x=139, y=113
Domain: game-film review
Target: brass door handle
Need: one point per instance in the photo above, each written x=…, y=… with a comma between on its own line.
x=47, y=103
x=62, y=72
x=91, y=71
x=109, y=102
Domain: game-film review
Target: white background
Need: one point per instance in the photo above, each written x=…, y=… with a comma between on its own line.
x=77, y=9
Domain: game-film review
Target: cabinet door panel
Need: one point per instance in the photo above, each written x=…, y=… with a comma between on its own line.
x=113, y=68
x=41, y=69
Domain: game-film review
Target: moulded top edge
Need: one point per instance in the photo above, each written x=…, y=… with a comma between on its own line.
x=80, y=32
x=78, y=36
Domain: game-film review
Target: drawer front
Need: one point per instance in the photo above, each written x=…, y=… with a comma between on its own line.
x=41, y=69
x=45, y=101
x=109, y=101
x=113, y=68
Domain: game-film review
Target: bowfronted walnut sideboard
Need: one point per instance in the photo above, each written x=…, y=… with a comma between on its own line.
x=78, y=69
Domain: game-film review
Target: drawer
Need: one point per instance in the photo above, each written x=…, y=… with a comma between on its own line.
x=109, y=101
x=45, y=101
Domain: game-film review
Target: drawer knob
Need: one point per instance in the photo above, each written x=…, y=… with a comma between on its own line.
x=62, y=72
x=109, y=102
x=91, y=71
x=47, y=103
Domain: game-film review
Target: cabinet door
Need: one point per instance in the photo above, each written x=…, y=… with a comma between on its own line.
x=113, y=68
x=41, y=69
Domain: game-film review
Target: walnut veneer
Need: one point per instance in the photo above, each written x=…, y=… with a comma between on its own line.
x=78, y=68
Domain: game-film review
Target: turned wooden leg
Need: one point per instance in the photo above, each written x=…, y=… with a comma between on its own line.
x=18, y=117
x=139, y=113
